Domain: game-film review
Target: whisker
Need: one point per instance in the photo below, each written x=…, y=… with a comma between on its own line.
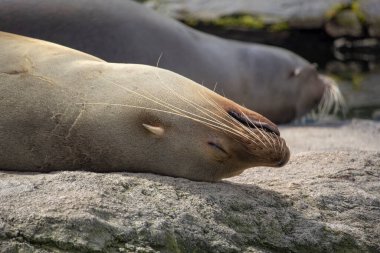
x=159, y=58
x=159, y=110
x=222, y=122
x=158, y=101
x=259, y=130
x=234, y=121
x=196, y=106
x=216, y=84
x=332, y=101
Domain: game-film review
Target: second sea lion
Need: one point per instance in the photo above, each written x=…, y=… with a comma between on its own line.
x=272, y=81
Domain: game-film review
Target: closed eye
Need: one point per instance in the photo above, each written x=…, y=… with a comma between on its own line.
x=217, y=146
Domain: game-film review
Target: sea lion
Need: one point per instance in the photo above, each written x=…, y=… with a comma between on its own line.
x=65, y=110
x=272, y=81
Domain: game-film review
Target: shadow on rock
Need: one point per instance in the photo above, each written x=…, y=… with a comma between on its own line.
x=134, y=212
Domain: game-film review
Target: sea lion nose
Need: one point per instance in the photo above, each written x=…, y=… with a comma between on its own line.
x=267, y=127
x=254, y=120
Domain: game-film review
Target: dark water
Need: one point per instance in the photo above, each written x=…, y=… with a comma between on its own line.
x=353, y=62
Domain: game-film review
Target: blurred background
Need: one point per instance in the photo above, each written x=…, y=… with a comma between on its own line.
x=341, y=36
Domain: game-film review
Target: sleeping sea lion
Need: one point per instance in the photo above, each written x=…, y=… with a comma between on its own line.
x=272, y=81
x=62, y=109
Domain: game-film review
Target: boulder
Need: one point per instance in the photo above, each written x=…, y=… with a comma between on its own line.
x=296, y=13
x=327, y=199
x=344, y=23
x=371, y=12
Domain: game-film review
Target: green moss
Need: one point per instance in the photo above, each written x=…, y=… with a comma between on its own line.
x=334, y=10
x=191, y=21
x=357, y=80
x=242, y=21
x=355, y=7
x=347, y=18
x=278, y=27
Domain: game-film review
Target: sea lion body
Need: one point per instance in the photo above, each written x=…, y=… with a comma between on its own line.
x=260, y=77
x=66, y=110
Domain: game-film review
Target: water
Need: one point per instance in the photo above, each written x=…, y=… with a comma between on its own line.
x=353, y=63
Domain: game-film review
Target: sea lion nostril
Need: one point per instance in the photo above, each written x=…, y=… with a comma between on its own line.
x=253, y=123
x=269, y=128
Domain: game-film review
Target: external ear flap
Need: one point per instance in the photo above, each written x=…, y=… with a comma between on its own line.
x=308, y=69
x=296, y=71
x=156, y=130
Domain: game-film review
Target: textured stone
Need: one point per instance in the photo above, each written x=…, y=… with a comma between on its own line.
x=344, y=23
x=298, y=14
x=324, y=200
x=371, y=11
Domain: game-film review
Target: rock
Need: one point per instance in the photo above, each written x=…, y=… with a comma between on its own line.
x=376, y=115
x=344, y=23
x=298, y=14
x=324, y=200
x=371, y=13
x=359, y=50
x=335, y=136
x=362, y=92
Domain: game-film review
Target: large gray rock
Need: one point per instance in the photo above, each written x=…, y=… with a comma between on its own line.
x=354, y=135
x=371, y=11
x=324, y=200
x=337, y=17
x=345, y=23
x=362, y=92
x=297, y=13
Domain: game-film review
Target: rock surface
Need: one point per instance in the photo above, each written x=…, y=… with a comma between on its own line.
x=337, y=17
x=327, y=199
x=354, y=135
x=371, y=11
x=362, y=95
x=306, y=14
x=345, y=23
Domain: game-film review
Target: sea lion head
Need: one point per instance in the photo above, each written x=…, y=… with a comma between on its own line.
x=183, y=129
x=285, y=86
x=316, y=93
x=247, y=139
x=309, y=87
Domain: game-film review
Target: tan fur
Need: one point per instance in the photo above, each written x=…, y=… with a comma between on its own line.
x=66, y=110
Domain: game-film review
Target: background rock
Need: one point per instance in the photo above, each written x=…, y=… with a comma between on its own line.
x=353, y=135
x=371, y=11
x=345, y=23
x=361, y=93
x=324, y=200
x=339, y=17
x=298, y=13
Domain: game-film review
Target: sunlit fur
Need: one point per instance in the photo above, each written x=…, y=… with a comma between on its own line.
x=104, y=107
x=256, y=140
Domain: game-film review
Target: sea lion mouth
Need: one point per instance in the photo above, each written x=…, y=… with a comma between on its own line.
x=253, y=123
x=284, y=160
